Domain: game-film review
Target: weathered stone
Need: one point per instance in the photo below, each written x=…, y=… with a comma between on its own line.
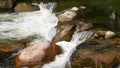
x=11, y=46
x=99, y=35
x=24, y=7
x=67, y=16
x=6, y=4
x=35, y=52
x=109, y=34
x=82, y=7
x=9, y=3
x=85, y=26
x=65, y=33
x=94, y=54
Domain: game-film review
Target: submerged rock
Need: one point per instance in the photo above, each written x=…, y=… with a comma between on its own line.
x=96, y=54
x=24, y=7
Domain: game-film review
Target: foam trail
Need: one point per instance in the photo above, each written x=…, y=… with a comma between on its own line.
x=68, y=48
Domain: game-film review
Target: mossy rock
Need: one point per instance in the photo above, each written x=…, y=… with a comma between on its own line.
x=25, y=7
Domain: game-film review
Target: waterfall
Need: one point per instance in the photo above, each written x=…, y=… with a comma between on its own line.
x=112, y=21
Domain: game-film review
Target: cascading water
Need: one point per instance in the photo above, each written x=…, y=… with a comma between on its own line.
x=24, y=24
x=68, y=48
x=43, y=23
x=112, y=21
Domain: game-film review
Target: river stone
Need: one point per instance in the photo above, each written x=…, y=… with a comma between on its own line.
x=99, y=35
x=6, y=4
x=65, y=33
x=85, y=26
x=67, y=16
x=24, y=7
x=11, y=46
x=82, y=7
x=109, y=34
x=96, y=54
x=35, y=52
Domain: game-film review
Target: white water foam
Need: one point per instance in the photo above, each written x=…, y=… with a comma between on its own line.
x=24, y=24
x=68, y=48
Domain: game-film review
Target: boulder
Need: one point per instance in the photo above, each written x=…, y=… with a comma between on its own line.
x=37, y=53
x=109, y=34
x=67, y=16
x=99, y=35
x=65, y=33
x=103, y=35
x=25, y=7
x=84, y=26
x=82, y=7
x=9, y=3
x=33, y=53
x=11, y=46
x=2, y=4
x=6, y=4
x=96, y=54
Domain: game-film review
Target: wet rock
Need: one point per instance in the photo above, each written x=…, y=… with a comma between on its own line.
x=65, y=33
x=96, y=54
x=99, y=35
x=85, y=26
x=31, y=53
x=37, y=53
x=11, y=46
x=24, y=7
x=67, y=16
x=9, y=3
x=82, y=7
x=103, y=35
x=109, y=34
x=6, y=4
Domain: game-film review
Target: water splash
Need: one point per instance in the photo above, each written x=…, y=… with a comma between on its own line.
x=22, y=24
x=68, y=48
x=112, y=21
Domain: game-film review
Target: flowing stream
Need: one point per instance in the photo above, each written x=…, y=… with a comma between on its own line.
x=42, y=23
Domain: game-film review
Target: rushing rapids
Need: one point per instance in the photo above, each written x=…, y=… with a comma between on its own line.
x=42, y=23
